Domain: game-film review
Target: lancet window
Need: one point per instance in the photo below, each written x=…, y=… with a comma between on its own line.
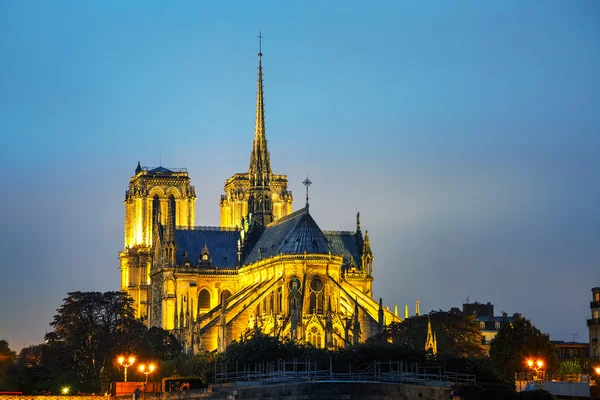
x=317, y=296
x=203, y=301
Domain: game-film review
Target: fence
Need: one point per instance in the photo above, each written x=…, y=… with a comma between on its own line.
x=389, y=372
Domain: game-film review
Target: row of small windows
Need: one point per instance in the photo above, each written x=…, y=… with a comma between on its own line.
x=482, y=325
x=570, y=353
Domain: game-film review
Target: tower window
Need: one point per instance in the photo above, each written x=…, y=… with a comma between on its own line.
x=204, y=301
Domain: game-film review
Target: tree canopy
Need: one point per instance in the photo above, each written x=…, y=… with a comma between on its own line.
x=519, y=341
x=91, y=329
x=7, y=357
x=457, y=335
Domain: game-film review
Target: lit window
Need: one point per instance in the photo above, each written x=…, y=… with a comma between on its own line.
x=497, y=325
x=482, y=324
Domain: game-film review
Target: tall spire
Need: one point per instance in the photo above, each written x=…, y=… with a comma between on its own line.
x=260, y=204
x=260, y=161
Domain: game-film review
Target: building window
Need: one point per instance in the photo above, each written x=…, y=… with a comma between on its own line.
x=596, y=296
x=315, y=337
x=203, y=301
x=317, y=296
x=497, y=325
x=482, y=324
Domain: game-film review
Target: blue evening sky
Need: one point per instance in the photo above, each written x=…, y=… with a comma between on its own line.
x=466, y=133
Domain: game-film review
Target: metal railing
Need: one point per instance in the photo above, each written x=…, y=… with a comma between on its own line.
x=385, y=372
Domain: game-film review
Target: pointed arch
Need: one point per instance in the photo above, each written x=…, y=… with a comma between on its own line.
x=173, y=191
x=203, y=301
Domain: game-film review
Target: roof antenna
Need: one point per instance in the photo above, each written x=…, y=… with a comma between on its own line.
x=307, y=183
x=160, y=158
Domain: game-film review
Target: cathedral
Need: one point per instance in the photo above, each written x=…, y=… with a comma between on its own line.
x=264, y=268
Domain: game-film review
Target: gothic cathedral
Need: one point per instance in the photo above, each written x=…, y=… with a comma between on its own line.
x=265, y=267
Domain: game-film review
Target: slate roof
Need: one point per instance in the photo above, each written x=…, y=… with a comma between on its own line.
x=160, y=169
x=346, y=244
x=293, y=234
x=221, y=243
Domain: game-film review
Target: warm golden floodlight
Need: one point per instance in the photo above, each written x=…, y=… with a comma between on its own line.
x=126, y=364
x=540, y=363
x=65, y=390
x=147, y=371
x=597, y=369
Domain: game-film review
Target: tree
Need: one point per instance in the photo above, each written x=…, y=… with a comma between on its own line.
x=518, y=341
x=159, y=343
x=90, y=330
x=457, y=335
x=7, y=358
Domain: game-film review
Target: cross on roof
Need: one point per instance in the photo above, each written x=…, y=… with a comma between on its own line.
x=307, y=183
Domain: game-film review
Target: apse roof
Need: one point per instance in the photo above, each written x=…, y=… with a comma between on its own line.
x=294, y=234
x=345, y=243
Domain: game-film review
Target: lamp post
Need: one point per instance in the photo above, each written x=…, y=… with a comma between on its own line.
x=535, y=366
x=126, y=363
x=146, y=371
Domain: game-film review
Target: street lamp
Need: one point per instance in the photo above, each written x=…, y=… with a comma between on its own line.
x=147, y=371
x=126, y=363
x=535, y=366
x=65, y=390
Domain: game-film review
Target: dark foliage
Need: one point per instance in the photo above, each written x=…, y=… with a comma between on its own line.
x=457, y=335
x=519, y=341
x=7, y=358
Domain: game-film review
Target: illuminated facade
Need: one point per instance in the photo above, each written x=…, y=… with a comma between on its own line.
x=265, y=267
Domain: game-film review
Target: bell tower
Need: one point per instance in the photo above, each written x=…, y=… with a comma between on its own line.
x=153, y=194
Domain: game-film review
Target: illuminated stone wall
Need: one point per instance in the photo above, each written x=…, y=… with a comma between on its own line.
x=135, y=259
x=262, y=298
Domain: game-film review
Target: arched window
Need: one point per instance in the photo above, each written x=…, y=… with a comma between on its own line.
x=294, y=293
x=312, y=307
x=155, y=207
x=203, y=301
x=317, y=296
x=315, y=337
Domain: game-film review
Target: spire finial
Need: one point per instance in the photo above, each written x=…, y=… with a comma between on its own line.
x=307, y=183
x=260, y=38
